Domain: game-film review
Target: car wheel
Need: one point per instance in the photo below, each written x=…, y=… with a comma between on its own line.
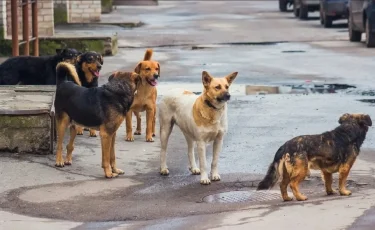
x=283, y=5
x=295, y=10
x=354, y=36
x=327, y=21
x=303, y=12
x=370, y=36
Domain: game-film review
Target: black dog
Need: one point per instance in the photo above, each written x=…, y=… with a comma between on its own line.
x=101, y=108
x=29, y=70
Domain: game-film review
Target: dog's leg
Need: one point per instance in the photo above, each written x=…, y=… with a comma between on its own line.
x=139, y=126
x=79, y=130
x=201, y=147
x=70, y=145
x=113, y=157
x=298, y=174
x=92, y=132
x=129, y=135
x=284, y=184
x=166, y=127
x=61, y=124
x=106, y=140
x=193, y=165
x=149, y=120
x=327, y=177
x=343, y=175
x=218, y=143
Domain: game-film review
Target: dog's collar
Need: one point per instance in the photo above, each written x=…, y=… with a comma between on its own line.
x=209, y=104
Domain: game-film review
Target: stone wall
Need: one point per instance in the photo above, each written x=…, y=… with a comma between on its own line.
x=81, y=11
x=2, y=19
x=45, y=19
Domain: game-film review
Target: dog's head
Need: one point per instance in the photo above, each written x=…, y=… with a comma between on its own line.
x=68, y=55
x=360, y=119
x=148, y=70
x=90, y=63
x=132, y=78
x=216, y=90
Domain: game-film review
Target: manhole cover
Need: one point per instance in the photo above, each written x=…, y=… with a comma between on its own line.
x=242, y=196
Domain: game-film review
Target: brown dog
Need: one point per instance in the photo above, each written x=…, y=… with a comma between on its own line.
x=145, y=98
x=329, y=152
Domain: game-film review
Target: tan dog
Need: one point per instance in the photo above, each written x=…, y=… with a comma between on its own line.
x=202, y=119
x=145, y=99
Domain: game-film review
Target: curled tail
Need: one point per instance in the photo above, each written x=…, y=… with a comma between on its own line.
x=273, y=172
x=66, y=71
x=148, y=55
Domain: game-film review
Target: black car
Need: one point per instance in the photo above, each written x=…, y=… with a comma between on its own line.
x=301, y=8
x=283, y=5
x=362, y=20
x=331, y=10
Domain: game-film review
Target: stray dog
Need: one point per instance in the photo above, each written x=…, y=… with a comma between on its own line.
x=202, y=119
x=102, y=108
x=88, y=66
x=145, y=99
x=29, y=70
x=330, y=152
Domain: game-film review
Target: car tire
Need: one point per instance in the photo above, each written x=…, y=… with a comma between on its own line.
x=283, y=5
x=327, y=21
x=295, y=10
x=303, y=12
x=354, y=36
x=370, y=36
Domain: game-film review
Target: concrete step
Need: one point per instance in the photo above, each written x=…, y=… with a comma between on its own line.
x=135, y=2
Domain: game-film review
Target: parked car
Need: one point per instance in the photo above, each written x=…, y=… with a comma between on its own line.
x=331, y=10
x=362, y=20
x=283, y=5
x=301, y=8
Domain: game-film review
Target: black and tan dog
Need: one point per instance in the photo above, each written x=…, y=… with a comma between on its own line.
x=102, y=108
x=29, y=70
x=330, y=152
x=88, y=66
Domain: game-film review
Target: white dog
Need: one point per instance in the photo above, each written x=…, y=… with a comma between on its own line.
x=202, y=119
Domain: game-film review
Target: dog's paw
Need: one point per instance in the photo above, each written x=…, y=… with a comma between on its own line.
x=111, y=175
x=215, y=177
x=59, y=163
x=129, y=138
x=118, y=171
x=301, y=198
x=92, y=133
x=195, y=171
x=79, y=132
x=68, y=162
x=137, y=132
x=331, y=192
x=287, y=198
x=164, y=172
x=149, y=139
x=345, y=192
x=205, y=181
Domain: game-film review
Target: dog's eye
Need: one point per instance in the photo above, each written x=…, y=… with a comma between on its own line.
x=148, y=69
x=218, y=87
x=226, y=87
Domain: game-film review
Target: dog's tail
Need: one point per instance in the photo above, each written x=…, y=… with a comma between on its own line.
x=273, y=172
x=66, y=71
x=148, y=55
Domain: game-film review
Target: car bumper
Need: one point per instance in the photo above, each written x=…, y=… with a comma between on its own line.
x=336, y=8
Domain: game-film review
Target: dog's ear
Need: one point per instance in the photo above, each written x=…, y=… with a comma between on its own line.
x=206, y=79
x=158, y=69
x=59, y=51
x=230, y=78
x=138, y=68
x=366, y=120
x=344, y=118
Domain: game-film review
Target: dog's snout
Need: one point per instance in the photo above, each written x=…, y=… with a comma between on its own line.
x=226, y=96
x=156, y=76
x=99, y=66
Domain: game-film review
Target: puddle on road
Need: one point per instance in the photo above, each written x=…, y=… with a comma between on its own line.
x=308, y=87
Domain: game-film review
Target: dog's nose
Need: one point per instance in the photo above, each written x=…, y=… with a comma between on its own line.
x=99, y=67
x=156, y=76
x=226, y=96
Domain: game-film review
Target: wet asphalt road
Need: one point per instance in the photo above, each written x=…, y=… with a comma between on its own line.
x=258, y=125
